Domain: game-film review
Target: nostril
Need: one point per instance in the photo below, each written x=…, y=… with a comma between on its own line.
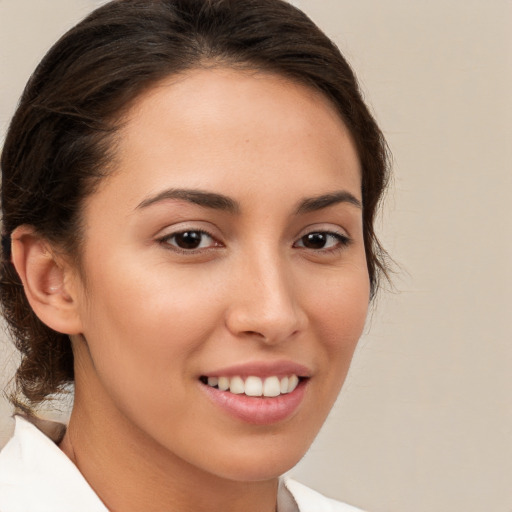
x=255, y=333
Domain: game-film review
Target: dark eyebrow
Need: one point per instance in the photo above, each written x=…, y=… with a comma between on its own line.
x=205, y=199
x=312, y=204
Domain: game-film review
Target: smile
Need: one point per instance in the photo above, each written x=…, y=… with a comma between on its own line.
x=257, y=400
x=269, y=387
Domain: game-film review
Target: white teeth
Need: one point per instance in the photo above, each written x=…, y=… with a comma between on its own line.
x=236, y=386
x=255, y=386
x=223, y=383
x=293, y=381
x=272, y=387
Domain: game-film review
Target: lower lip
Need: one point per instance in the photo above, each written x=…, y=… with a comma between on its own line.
x=258, y=410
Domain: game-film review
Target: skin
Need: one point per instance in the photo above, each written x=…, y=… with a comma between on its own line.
x=147, y=320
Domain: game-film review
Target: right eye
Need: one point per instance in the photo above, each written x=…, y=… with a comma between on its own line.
x=190, y=240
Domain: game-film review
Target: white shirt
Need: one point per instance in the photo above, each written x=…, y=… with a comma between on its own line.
x=36, y=476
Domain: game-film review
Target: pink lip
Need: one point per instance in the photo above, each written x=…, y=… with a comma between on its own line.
x=262, y=369
x=258, y=410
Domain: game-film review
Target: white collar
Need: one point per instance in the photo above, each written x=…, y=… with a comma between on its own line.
x=36, y=475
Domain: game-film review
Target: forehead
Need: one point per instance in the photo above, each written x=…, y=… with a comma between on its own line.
x=226, y=129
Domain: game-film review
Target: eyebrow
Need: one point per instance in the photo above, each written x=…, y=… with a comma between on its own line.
x=221, y=202
x=312, y=204
x=204, y=199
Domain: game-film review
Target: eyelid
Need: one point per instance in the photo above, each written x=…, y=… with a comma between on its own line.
x=324, y=227
x=335, y=231
x=342, y=238
x=187, y=225
x=172, y=231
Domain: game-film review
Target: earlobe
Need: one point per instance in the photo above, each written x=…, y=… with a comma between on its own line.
x=45, y=279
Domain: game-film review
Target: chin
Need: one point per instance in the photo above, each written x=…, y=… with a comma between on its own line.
x=257, y=469
x=258, y=459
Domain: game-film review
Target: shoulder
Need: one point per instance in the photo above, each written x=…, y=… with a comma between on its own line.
x=308, y=500
x=36, y=476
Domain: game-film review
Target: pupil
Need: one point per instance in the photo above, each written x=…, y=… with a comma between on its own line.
x=315, y=241
x=189, y=240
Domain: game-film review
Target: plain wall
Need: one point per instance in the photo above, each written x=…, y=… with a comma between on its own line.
x=424, y=421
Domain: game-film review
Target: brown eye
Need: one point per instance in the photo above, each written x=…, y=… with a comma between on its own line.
x=322, y=240
x=190, y=240
x=315, y=240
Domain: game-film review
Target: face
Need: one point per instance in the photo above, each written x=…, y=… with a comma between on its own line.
x=224, y=258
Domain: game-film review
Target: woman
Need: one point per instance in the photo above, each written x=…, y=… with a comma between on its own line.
x=189, y=190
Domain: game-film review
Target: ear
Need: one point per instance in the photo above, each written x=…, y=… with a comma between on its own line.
x=48, y=281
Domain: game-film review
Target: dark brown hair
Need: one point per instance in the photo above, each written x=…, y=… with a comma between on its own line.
x=61, y=138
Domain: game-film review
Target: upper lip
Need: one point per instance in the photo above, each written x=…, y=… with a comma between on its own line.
x=262, y=369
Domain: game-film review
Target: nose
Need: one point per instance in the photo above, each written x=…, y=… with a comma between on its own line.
x=265, y=304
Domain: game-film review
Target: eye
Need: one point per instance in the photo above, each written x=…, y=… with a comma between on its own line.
x=190, y=240
x=322, y=241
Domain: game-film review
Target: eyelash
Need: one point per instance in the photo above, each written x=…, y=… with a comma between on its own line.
x=165, y=240
x=342, y=240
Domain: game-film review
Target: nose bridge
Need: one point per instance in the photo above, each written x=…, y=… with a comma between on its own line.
x=272, y=284
x=267, y=304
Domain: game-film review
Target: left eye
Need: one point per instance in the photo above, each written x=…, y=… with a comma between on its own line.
x=321, y=240
x=190, y=240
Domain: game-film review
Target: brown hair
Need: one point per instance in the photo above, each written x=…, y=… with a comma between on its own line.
x=60, y=140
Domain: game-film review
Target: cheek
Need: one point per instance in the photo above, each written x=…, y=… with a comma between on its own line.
x=339, y=304
x=152, y=300
x=338, y=307
x=144, y=331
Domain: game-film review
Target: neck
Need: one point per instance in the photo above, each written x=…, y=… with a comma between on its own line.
x=131, y=472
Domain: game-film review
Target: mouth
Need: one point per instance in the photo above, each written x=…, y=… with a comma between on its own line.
x=253, y=386
x=257, y=395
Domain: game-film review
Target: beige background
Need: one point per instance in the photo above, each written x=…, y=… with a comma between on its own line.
x=424, y=422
